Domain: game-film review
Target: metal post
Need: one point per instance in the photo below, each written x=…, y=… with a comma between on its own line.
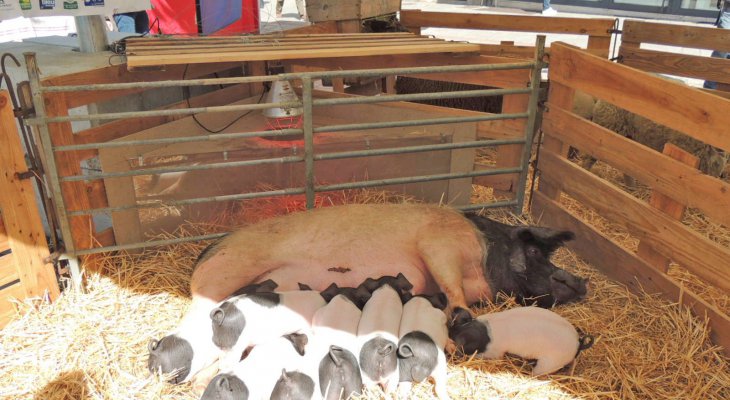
x=308, y=141
x=52, y=170
x=74, y=271
x=535, y=79
x=91, y=32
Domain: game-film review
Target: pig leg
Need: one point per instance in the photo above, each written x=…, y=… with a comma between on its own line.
x=445, y=268
x=203, y=378
x=546, y=365
x=404, y=390
x=440, y=378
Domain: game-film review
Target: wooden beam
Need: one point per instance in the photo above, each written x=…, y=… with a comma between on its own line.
x=318, y=27
x=622, y=266
x=703, y=257
x=708, y=68
x=676, y=35
x=274, y=54
x=502, y=22
x=667, y=205
x=21, y=216
x=677, y=106
x=560, y=96
x=665, y=175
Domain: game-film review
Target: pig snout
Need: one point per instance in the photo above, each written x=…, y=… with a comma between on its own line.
x=566, y=287
x=228, y=323
x=378, y=358
x=171, y=354
x=417, y=357
x=339, y=374
x=293, y=386
x=225, y=387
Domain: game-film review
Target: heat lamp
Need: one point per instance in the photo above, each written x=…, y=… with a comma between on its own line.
x=278, y=118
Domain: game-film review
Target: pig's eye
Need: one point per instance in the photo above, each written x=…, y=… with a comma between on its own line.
x=533, y=252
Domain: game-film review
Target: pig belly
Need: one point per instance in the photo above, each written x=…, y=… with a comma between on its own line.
x=320, y=276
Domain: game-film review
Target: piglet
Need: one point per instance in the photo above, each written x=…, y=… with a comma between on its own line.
x=378, y=331
x=190, y=348
x=528, y=332
x=334, y=327
x=253, y=319
x=423, y=336
x=257, y=375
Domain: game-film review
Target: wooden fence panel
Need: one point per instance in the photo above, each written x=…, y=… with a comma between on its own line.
x=715, y=69
x=676, y=35
x=23, y=271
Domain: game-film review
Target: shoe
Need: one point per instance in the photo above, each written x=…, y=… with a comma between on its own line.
x=549, y=12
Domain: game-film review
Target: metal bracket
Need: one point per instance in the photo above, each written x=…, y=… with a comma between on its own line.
x=26, y=175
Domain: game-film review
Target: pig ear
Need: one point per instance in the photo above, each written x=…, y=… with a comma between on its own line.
x=386, y=350
x=406, y=297
x=299, y=341
x=403, y=282
x=304, y=286
x=284, y=376
x=152, y=345
x=224, y=384
x=439, y=300
x=460, y=316
x=336, y=355
x=267, y=286
x=405, y=351
x=217, y=315
x=517, y=260
x=362, y=294
x=523, y=233
x=370, y=284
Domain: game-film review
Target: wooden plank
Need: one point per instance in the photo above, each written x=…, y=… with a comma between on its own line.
x=667, y=205
x=20, y=212
x=561, y=96
x=120, y=74
x=501, y=22
x=4, y=243
x=622, y=266
x=676, y=35
x=349, y=25
x=599, y=45
x=7, y=309
x=74, y=193
x=117, y=129
x=705, y=258
x=677, y=106
x=317, y=27
x=501, y=79
x=8, y=272
x=665, y=175
x=511, y=155
x=708, y=68
x=527, y=52
x=152, y=60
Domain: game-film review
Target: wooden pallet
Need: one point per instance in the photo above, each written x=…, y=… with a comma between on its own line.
x=145, y=52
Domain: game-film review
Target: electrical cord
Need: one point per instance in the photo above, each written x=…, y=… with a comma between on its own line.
x=186, y=95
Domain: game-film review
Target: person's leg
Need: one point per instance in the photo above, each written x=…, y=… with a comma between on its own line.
x=545, y=4
x=125, y=22
x=141, y=22
x=279, y=8
x=301, y=9
x=724, y=23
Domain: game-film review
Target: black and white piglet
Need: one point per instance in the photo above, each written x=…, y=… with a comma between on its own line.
x=190, y=348
x=423, y=336
x=258, y=375
x=378, y=331
x=246, y=320
x=334, y=329
x=529, y=332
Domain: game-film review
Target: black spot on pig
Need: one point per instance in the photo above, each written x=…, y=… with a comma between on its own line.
x=225, y=387
x=299, y=341
x=469, y=335
x=304, y=286
x=293, y=386
x=170, y=354
x=339, y=374
x=400, y=283
x=437, y=300
x=417, y=357
x=518, y=263
x=268, y=300
x=228, y=323
x=378, y=358
x=329, y=293
x=266, y=286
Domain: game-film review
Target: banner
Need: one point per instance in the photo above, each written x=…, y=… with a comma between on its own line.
x=48, y=8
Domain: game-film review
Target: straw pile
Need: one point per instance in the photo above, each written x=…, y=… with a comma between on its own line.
x=93, y=345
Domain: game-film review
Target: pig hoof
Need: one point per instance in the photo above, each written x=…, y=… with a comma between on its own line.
x=450, y=347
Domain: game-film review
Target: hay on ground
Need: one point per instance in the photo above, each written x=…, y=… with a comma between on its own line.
x=93, y=345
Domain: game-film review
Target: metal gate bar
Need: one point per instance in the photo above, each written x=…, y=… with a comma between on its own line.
x=41, y=120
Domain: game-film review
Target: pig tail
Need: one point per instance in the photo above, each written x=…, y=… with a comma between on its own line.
x=585, y=341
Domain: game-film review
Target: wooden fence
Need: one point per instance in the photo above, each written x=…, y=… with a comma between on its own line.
x=598, y=30
x=24, y=271
x=662, y=238
x=665, y=61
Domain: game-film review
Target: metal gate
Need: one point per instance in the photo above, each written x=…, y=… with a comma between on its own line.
x=41, y=121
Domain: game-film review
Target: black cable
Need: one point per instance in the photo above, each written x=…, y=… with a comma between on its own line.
x=186, y=95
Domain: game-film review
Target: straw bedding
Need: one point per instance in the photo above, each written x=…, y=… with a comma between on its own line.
x=93, y=345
